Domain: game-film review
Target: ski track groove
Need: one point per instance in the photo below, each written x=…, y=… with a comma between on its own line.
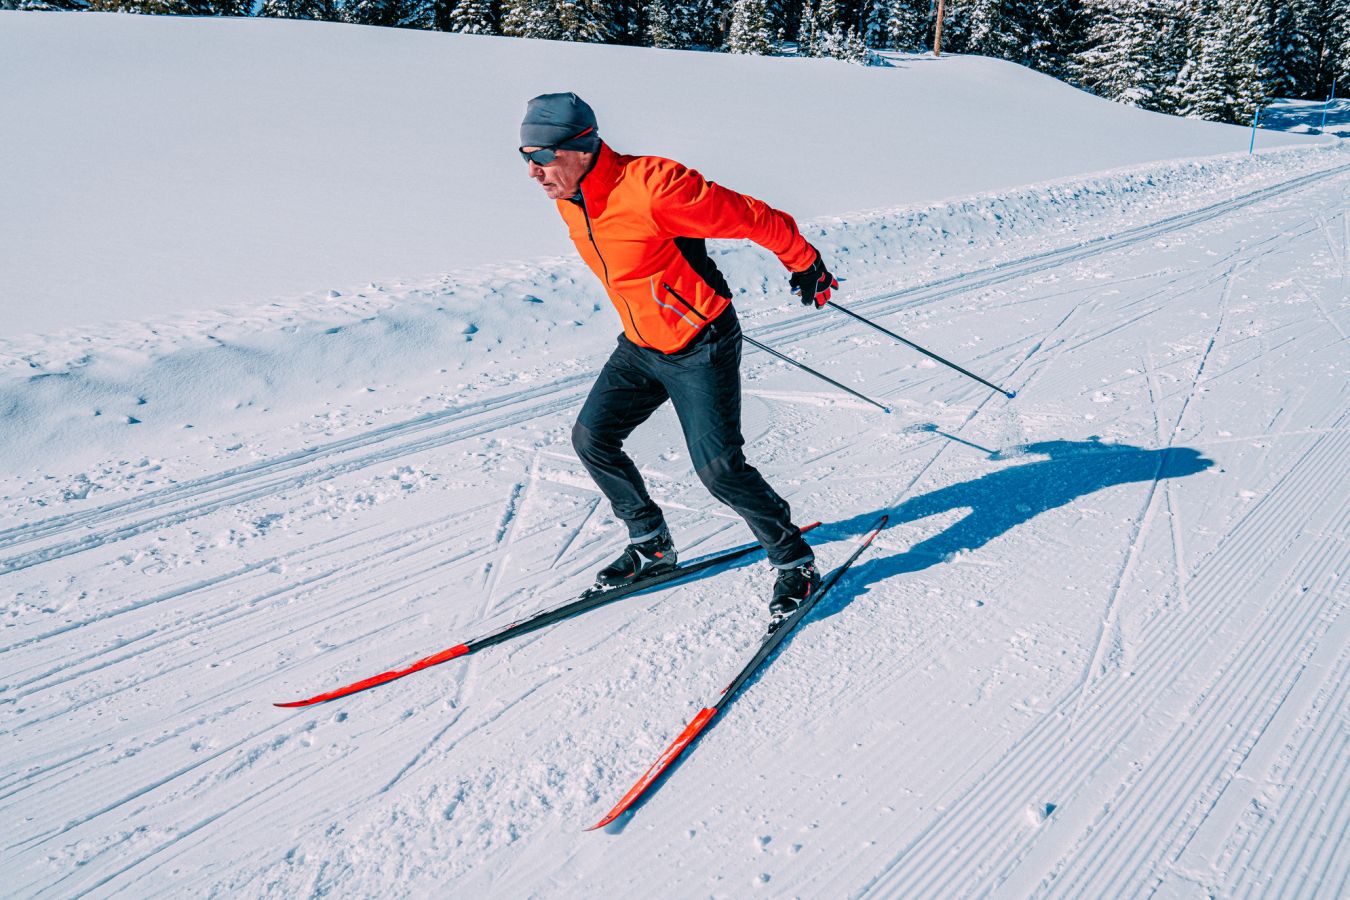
x=346, y=568
x=1173, y=812
x=562, y=399
x=189, y=662
x=1316, y=765
x=1109, y=640
x=143, y=790
x=983, y=806
x=1318, y=768
x=193, y=829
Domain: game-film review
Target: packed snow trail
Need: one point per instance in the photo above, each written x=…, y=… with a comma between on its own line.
x=1108, y=659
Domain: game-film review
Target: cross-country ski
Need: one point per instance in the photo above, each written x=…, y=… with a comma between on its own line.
x=591, y=598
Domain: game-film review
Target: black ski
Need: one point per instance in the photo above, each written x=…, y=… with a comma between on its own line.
x=589, y=599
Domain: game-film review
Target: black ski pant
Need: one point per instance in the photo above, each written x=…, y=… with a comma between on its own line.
x=703, y=382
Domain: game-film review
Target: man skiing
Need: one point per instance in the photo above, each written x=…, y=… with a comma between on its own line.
x=640, y=223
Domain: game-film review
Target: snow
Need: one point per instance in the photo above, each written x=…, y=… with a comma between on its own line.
x=1103, y=649
x=189, y=164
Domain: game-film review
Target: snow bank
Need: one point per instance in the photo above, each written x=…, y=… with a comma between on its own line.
x=468, y=333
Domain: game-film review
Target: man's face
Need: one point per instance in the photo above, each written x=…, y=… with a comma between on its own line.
x=561, y=178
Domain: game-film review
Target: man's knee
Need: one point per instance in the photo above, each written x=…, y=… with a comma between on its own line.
x=722, y=472
x=593, y=446
x=583, y=440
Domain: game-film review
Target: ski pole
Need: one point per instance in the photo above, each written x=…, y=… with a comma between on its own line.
x=930, y=354
x=843, y=387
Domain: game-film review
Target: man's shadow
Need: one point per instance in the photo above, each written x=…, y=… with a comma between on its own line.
x=1002, y=500
x=998, y=502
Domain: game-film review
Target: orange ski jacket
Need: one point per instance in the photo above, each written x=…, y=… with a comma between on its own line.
x=640, y=222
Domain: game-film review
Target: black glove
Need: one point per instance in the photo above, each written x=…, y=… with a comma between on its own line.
x=814, y=284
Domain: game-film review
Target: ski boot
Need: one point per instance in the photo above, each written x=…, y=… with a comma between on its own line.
x=639, y=561
x=792, y=587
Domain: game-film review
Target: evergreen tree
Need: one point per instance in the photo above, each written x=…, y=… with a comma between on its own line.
x=991, y=31
x=587, y=21
x=855, y=50
x=46, y=5
x=806, y=30
x=317, y=10
x=175, y=7
x=1289, y=53
x=471, y=16
x=828, y=34
x=673, y=24
x=1133, y=51
x=531, y=19
x=1325, y=25
x=1042, y=35
x=660, y=33
x=750, y=30
x=896, y=24
x=1225, y=78
x=387, y=13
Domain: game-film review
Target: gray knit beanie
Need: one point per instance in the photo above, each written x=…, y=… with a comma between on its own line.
x=561, y=121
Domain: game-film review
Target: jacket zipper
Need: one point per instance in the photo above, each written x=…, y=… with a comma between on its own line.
x=586, y=213
x=670, y=290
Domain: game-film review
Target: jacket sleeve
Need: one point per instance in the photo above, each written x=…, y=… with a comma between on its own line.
x=685, y=204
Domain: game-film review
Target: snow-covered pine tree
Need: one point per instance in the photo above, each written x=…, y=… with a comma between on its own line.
x=659, y=32
x=1225, y=78
x=586, y=21
x=466, y=16
x=806, y=29
x=530, y=19
x=992, y=31
x=896, y=24
x=317, y=10
x=855, y=50
x=175, y=7
x=388, y=13
x=1132, y=51
x=1042, y=35
x=673, y=24
x=822, y=31
x=1288, y=52
x=1054, y=30
x=1325, y=25
x=1342, y=70
x=750, y=32
x=46, y=5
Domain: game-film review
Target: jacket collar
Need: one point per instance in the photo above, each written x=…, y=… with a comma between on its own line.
x=600, y=180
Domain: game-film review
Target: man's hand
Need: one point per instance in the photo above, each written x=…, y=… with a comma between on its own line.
x=814, y=284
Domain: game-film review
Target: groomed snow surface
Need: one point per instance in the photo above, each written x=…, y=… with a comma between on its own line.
x=1102, y=651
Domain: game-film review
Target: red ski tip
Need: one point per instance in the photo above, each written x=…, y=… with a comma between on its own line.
x=382, y=678
x=662, y=763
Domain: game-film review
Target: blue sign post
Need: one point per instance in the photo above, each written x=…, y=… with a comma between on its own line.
x=1327, y=105
x=1255, y=118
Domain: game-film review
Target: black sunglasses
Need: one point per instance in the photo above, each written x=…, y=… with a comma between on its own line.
x=545, y=155
x=541, y=157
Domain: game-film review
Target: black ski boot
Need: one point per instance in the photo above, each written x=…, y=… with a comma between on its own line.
x=792, y=587
x=651, y=557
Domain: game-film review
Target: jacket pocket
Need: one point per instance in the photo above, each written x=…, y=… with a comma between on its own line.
x=687, y=305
